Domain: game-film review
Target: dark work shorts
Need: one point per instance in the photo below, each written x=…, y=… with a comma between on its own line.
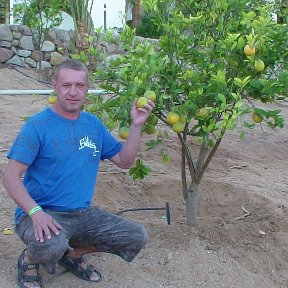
x=93, y=226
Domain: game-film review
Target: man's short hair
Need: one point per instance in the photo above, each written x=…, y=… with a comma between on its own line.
x=71, y=64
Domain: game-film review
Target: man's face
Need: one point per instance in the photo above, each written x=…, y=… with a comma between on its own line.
x=71, y=87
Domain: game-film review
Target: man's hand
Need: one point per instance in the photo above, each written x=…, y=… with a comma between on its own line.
x=140, y=115
x=43, y=224
x=126, y=157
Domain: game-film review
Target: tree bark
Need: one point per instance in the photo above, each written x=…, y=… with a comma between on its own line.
x=191, y=204
x=136, y=14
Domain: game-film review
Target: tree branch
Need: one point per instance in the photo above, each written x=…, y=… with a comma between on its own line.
x=210, y=156
x=201, y=159
x=183, y=174
x=188, y=155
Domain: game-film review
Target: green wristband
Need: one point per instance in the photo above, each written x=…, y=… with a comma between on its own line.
x=35, y=209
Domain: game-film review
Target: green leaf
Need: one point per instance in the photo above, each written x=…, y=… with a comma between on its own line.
x=238, y=104
x=139, y=171
x=152, y=144
x=241, y=83
x=222, y=98
x=211, y=143
x=165, y=157
x=220, y=77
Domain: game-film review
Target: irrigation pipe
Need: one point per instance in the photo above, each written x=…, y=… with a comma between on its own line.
x=43, y=92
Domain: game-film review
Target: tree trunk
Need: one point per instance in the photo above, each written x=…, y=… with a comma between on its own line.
x=136, y=13
x=191, y=204
x=81, y=36
x=7, y=11
x=281, y=14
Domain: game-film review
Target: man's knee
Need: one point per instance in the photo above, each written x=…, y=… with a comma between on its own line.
x=137, y=240
x=49, y=250
x=140, y=236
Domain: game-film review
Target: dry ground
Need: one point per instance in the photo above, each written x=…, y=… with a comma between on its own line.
x=225, y=250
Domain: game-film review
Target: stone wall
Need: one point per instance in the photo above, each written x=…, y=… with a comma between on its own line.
x=18, y=48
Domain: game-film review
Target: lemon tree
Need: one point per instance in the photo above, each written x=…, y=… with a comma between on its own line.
x=205, y=72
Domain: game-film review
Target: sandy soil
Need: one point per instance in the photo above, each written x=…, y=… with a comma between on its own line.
x=225, y=250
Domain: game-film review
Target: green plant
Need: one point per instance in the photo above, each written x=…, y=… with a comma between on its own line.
x=41, y=16
x=89, y=56
x=148, y=27
x=200, y=70
x=80, y=11
x=84, y=48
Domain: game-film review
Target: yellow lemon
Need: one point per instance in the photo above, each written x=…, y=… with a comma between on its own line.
x=256, y=117
x=52, y=99
x=178, y=127
x=172, y=118
x=259, y=65
x=249, y=51
x=150, y=95
x=141, y=102
x=123, y=132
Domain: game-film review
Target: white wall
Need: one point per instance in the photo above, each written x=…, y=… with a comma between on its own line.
x=114, y=9
x=12, y=2
x=67, y=22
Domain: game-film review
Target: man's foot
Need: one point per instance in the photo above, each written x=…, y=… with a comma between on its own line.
x=28, y=273
x=80, y=268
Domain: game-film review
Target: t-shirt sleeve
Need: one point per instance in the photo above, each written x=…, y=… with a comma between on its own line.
x=26, y=145
x=110, y=146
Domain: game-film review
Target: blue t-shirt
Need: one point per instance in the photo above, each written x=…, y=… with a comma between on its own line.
x=63, y=157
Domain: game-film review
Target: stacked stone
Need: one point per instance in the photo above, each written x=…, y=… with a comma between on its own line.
x=17, y=47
